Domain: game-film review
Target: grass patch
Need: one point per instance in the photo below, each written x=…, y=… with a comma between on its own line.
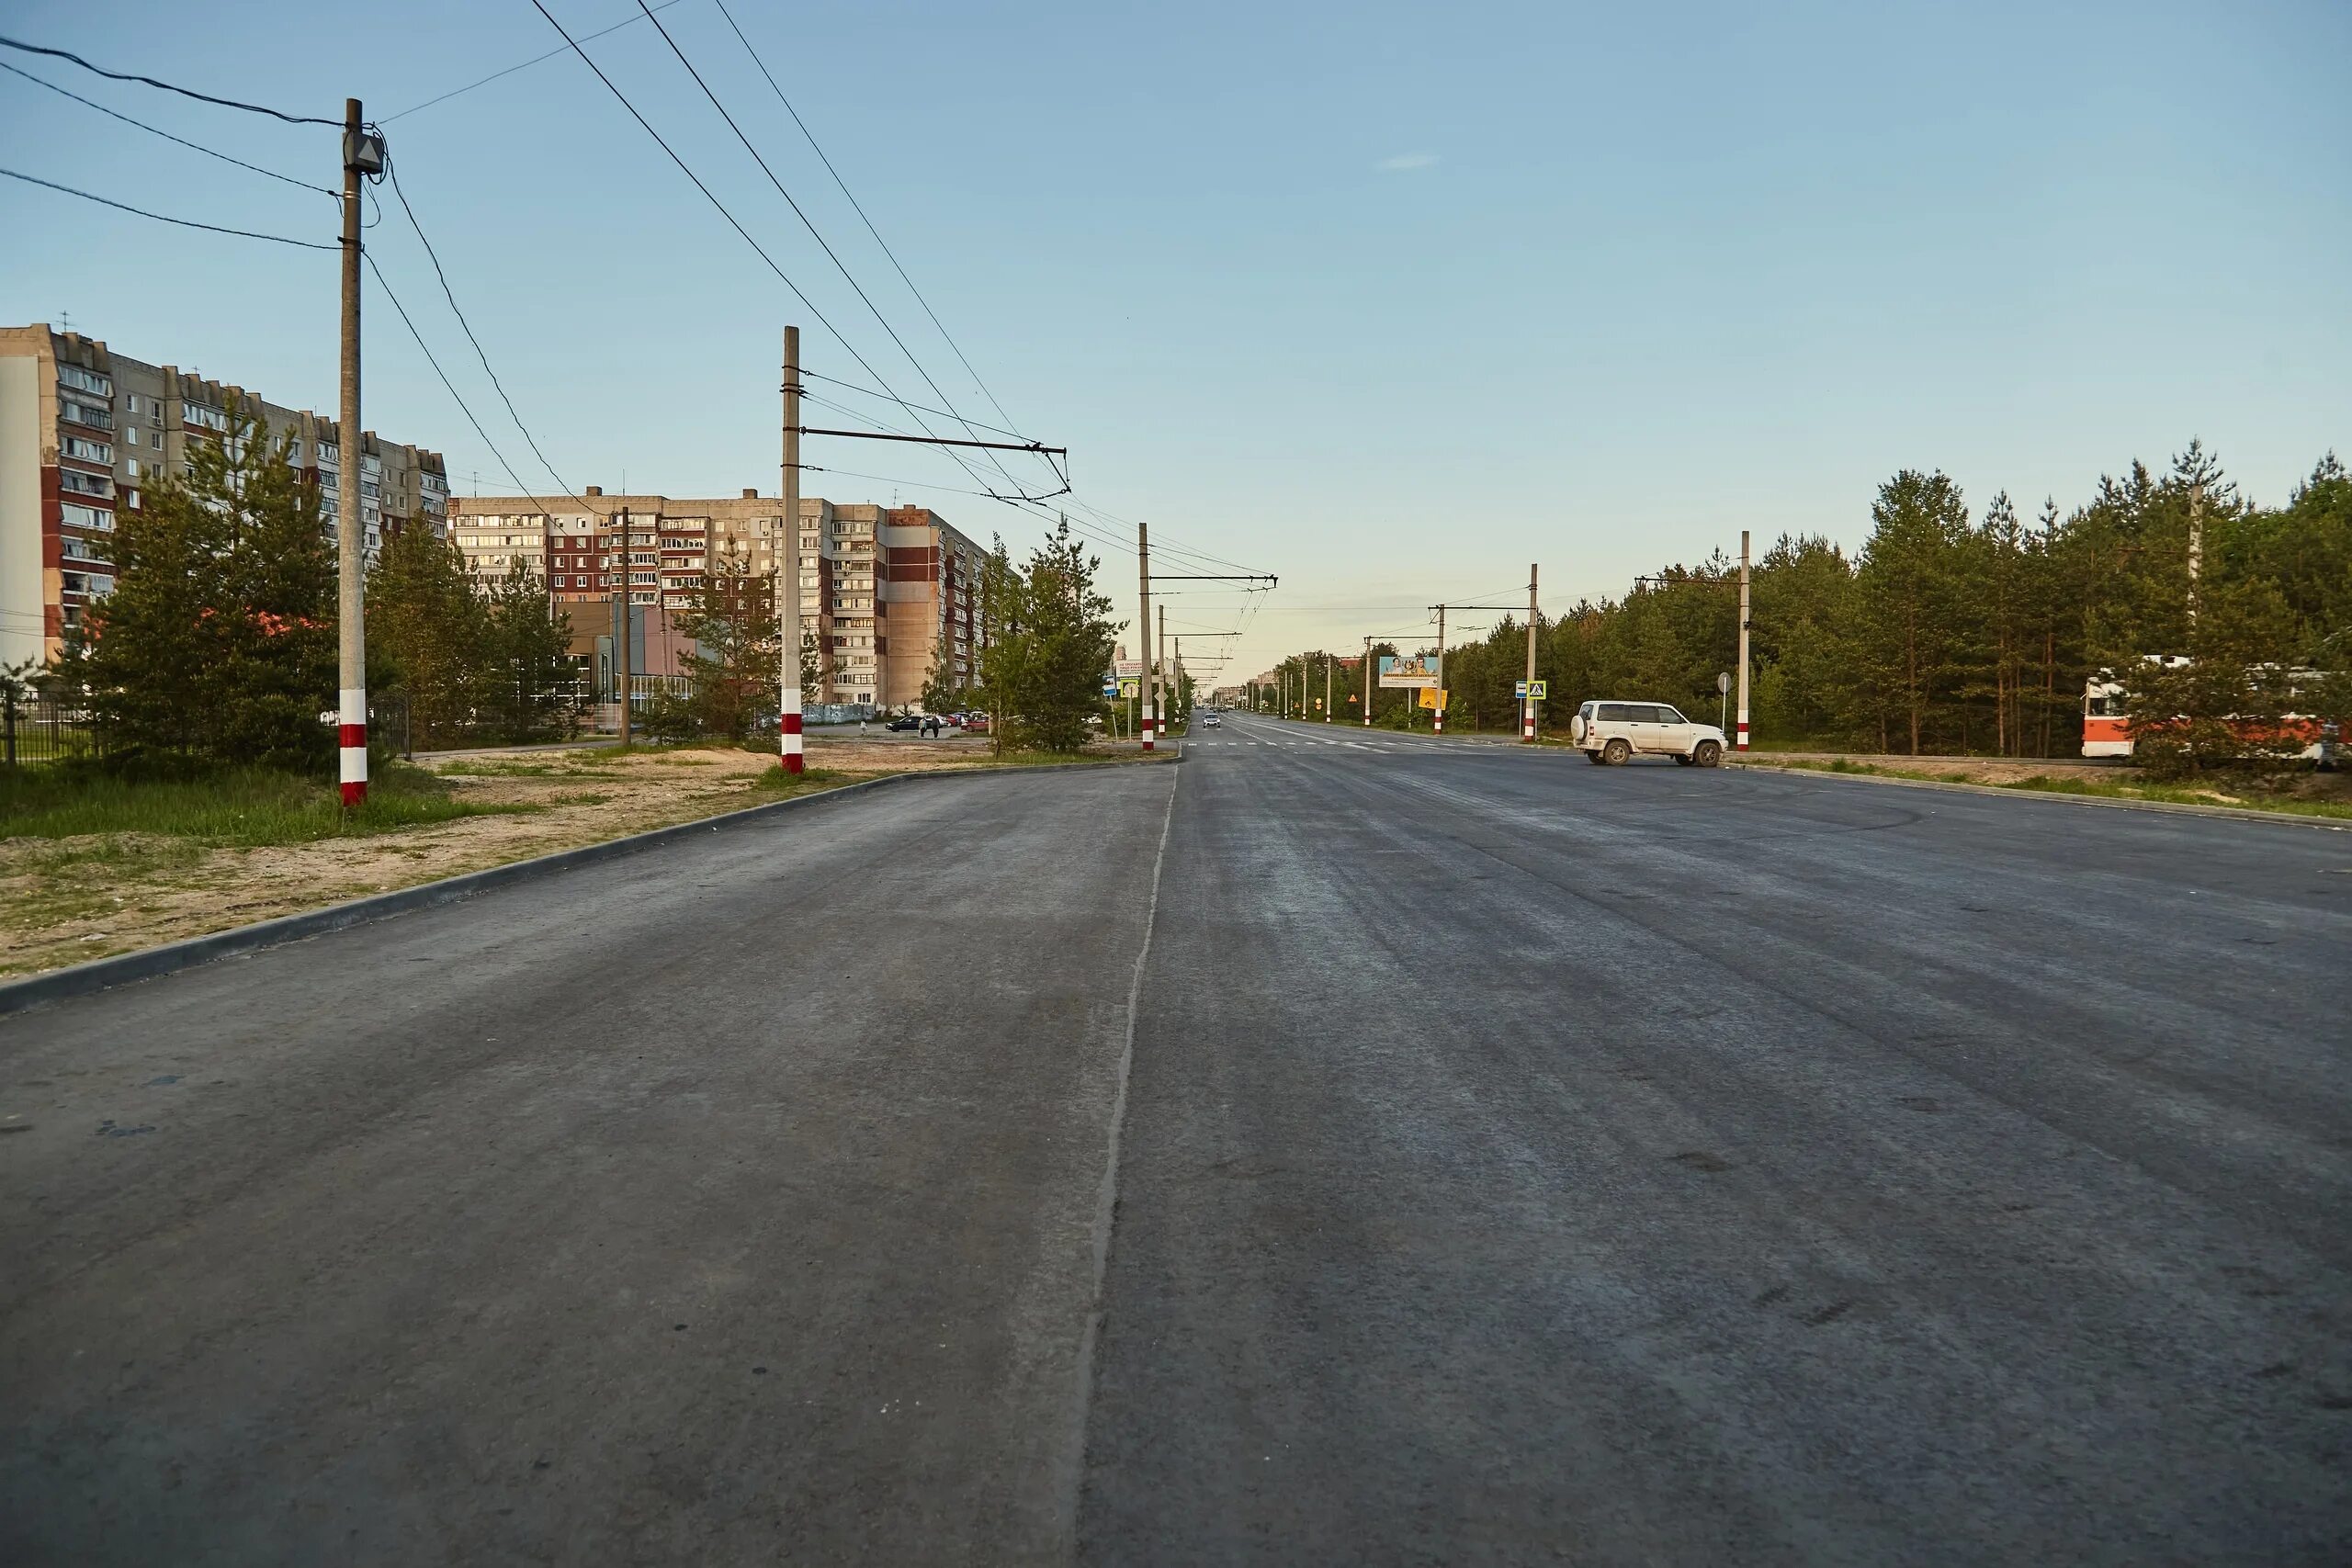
x=241, y=806
x=777, y=783
x=2252, y=798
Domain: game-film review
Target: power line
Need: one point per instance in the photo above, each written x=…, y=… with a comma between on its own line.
x=860, y=208
x=732, y=221
x=868, y=391
x=350, y=438
x=160, y=218
x=167, y=86
x=90, y=103
x=585, y=38
x=826, y=246
x=393, y=171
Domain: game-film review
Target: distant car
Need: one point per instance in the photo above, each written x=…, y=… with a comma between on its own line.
x=976, y=724
x=1208, y=720
x=1614, y=732
x=906, y=721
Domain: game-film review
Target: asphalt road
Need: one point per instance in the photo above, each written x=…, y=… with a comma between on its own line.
x=1508, y=1160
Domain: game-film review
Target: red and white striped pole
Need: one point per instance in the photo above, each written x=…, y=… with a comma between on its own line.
x=350, y=467
x=1740, y=743
x=1147, y=689
x=788, y=588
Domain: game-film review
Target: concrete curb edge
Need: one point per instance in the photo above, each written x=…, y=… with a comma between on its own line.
x=148, y=963
x=1956, y=786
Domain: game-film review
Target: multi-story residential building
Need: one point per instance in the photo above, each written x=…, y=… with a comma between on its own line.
x=880, y=587
x=84, y=431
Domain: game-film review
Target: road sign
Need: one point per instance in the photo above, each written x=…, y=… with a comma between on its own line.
x=1432, y=698
x=1110, y=688
x=1722, y=683
x=1131, y=688
x=1538, y=690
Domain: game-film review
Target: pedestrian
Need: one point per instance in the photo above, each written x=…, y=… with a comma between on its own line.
x=861, y=724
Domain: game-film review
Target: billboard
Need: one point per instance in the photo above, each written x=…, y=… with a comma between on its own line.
x=1408, y=669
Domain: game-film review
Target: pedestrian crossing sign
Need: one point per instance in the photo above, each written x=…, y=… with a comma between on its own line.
x=1538, y=690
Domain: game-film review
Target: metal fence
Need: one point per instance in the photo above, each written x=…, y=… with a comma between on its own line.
x=40, y=729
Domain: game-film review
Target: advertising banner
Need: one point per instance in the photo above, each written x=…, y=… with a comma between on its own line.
x=1431, y=698
x=1408, y=670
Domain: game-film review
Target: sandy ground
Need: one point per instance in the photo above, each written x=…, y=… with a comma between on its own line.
x=59, y=905
x=2298, y=783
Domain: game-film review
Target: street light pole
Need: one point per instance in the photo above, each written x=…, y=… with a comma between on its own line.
x=1367, y=683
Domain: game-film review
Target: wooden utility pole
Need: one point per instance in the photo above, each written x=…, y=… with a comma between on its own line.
x=351, y=469
x=625, y=661
x=787, y=610
x=1437, y=702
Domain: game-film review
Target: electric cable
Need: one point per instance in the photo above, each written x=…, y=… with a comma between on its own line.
x=152, y=131
x=160, y=218
x=167, y=86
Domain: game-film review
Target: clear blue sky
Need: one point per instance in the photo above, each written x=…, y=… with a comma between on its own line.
x=1388, y=300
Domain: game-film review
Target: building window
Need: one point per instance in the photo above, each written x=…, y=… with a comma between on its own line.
x=85, y=414
x=89, y=381
x=88, y=451
x=88, y=517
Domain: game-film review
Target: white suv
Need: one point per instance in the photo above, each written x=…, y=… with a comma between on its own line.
x=1613, y=732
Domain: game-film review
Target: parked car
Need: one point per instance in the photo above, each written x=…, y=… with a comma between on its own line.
x=904, y=721
x=1615, y=732
x=976, y=724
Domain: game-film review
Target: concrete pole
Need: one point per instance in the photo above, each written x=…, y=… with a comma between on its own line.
x=1367, y=683
x=1527, y=708
x=1147, y=690
x=624, y=673
x=350, y=533
x=1439, y=725
x=1326, y=688
x=789, y=739
x=1167, y=676
x=1740, y=743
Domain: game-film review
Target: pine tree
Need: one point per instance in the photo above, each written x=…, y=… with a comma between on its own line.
x=218, y=643
x=428, y=633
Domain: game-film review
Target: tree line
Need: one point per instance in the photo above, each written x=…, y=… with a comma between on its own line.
x=1953, y=632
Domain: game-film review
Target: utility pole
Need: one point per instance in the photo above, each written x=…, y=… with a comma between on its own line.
x=1168, y=677
x=1326, y=688
x=1147, y=691
x=1438, y=725
x=789, y=743
x=1740, y=743
x=627, y=662
x=362, y=153
x=1527, y=709
x=1367, y=683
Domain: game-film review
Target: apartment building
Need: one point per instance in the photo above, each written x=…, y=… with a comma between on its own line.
x=84, y=431
x=880, y=587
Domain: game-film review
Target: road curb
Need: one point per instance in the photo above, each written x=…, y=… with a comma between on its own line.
x=147, y=964
x=1955, y=786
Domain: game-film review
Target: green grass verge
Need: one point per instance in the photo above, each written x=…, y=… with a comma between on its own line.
x=242, y=807
x=2252, y=799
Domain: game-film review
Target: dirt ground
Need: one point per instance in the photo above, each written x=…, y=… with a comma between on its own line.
x=65, y=900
